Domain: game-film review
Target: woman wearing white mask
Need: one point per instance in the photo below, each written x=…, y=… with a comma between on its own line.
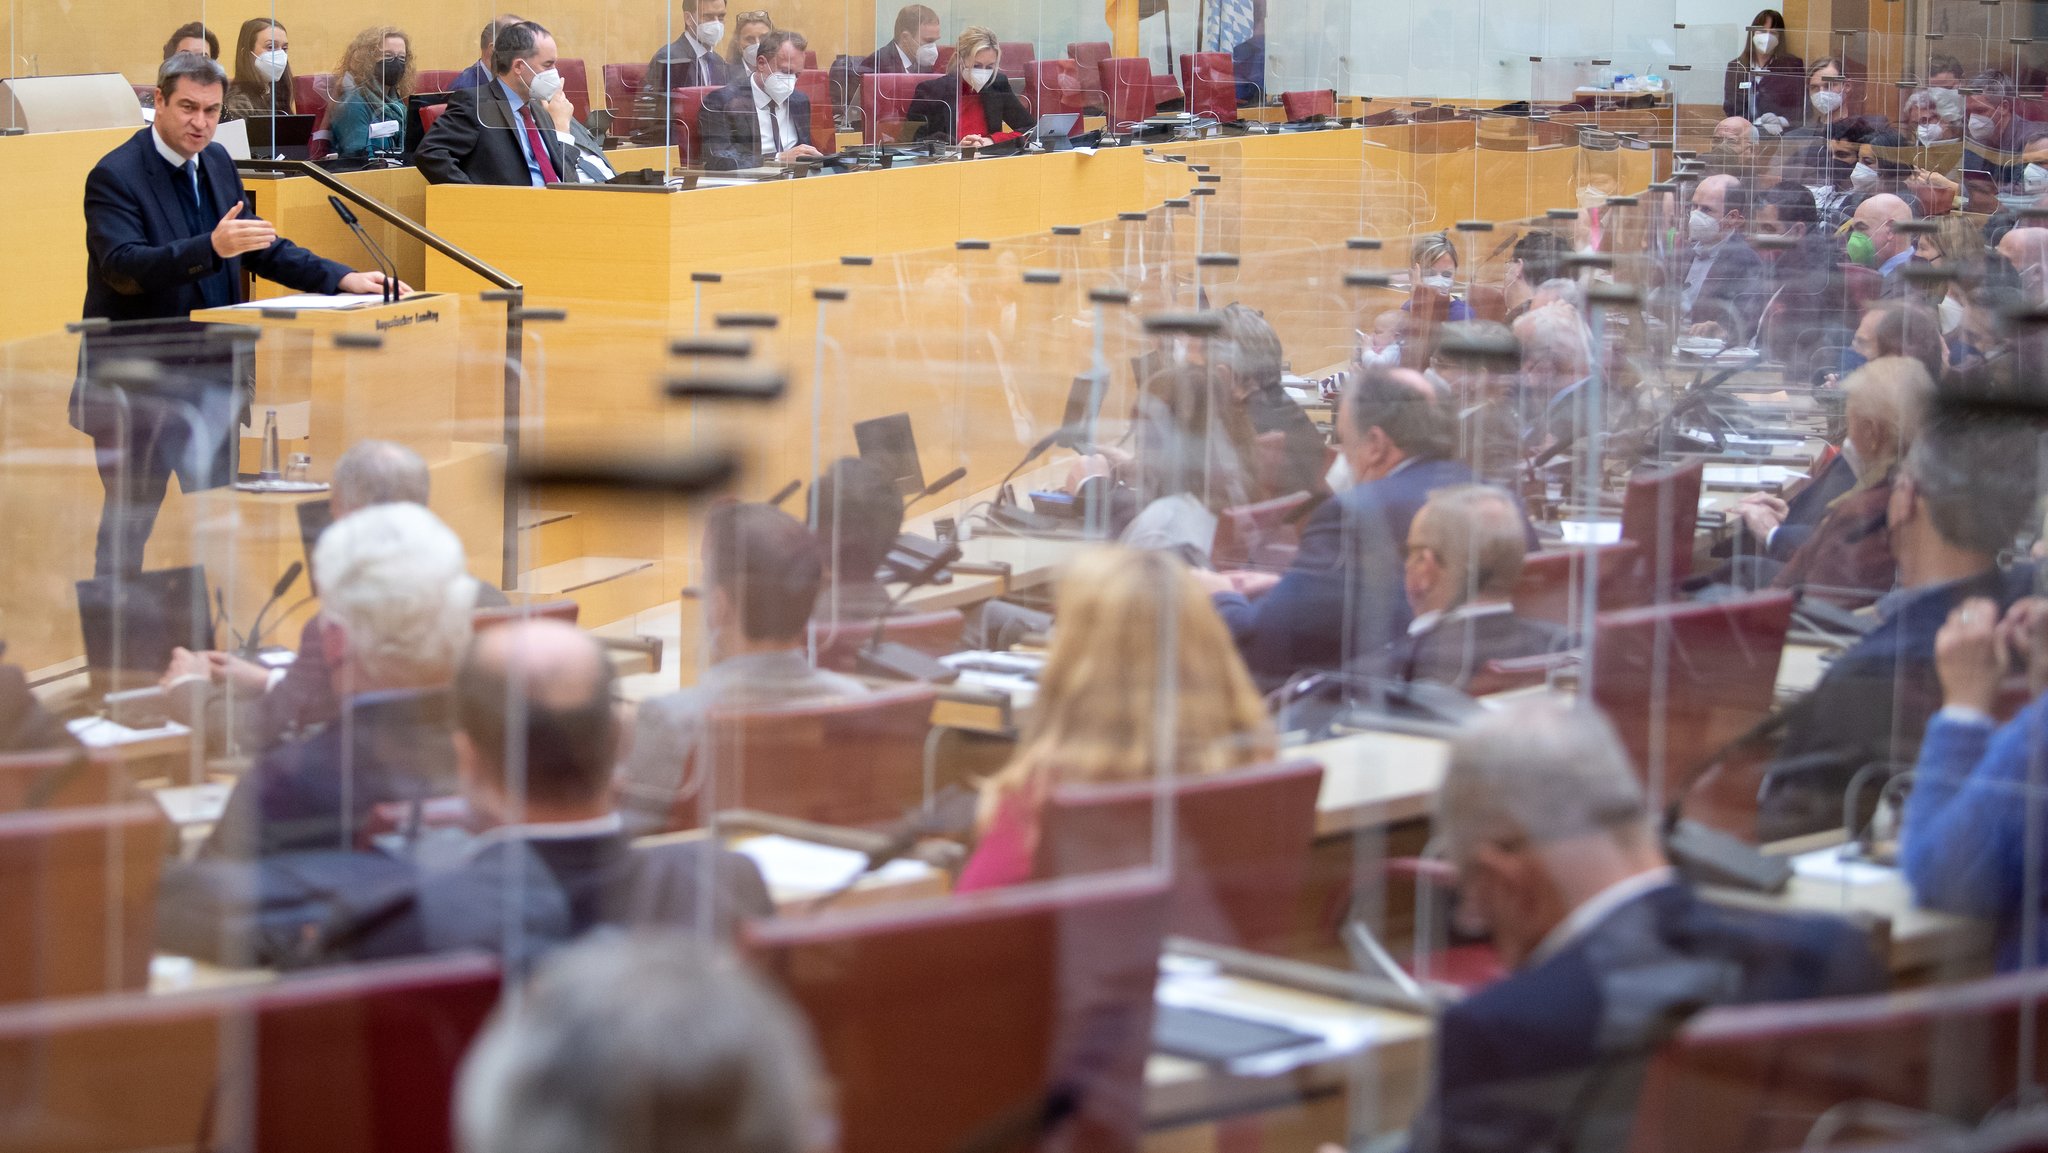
x=1432, y=271
x=263, y=73
x=1827, y=97
x=747, y=30
x=971, y=105
x=1764, y=80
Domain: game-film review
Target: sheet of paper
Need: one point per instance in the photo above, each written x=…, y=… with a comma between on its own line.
x=1829, y=865
x=788, y=863
x=194, y=804
x=1749, y=475
x=101, y=733
x=1590, y=531
x=312, y=302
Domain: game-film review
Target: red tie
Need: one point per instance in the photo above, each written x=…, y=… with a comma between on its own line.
x=540, y=150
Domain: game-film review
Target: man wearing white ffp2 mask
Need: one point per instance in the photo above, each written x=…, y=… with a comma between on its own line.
x=762, y=117
x=691, y=60
x=520, y=129
x=973, y=106
x=913, y=48
x=1721, y=269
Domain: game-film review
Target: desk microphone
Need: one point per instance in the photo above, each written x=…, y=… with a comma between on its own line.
x=283, y=586
x=938, y=486
x=898, y=661
x=384, y=263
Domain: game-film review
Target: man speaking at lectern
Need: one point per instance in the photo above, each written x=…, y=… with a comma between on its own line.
x=167, y=231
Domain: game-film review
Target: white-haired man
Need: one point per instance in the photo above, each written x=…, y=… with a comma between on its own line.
x=395, y=613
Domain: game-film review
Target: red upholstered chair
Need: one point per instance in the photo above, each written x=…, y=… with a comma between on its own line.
x=816, y=85
x=685, y=104
x=435, y=79
x=1553, y=581
x=945, y=60
x=1240, y=854
x=358, y=1060
x=967, y=1023
x=1127, y=85
x=145, y=94
x=1261, y=535
x=575, y=82
x=1211, y=83
x=1017, y=58
x=1659, y=512
x=933, y=634
x=1760, y=1076
x=61, y=779
x=1090, y=54
x=1054, y=86
x=1308, y=105
x=858, y=761
x=309, y=95
x=622, y=96
x=78, y=899
x=884, y=101
x=1707, y=670
x=429, y=113
x=564, y=610
x=810, y=59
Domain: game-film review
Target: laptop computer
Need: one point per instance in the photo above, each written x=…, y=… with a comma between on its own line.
x=887, y=443
x=130, y=624
x=287, y=136
x=1055, y=128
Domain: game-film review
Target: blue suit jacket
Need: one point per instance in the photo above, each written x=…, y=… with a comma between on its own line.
x=142, y=263
x=731, y=126
x=1343, y=595
x=1871, y=707
x=1513, y=1058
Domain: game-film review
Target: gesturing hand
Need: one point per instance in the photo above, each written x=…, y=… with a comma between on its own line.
x=233, y=237
x=1970, y=657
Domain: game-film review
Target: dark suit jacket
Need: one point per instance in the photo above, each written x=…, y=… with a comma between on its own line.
x=1342, y=597
x=1804, y=510
x=142, y=261
x=1730, y=294
x=1870, y=707
x=886, y=60
x=314, y=793
x=933, y=107
x=1513, y=1058
x=554, y=891
x=476, y=141
x=730, y=126
x=474, y=76
x=681, y=63
x=1780, y=88
x=1298, y=465
x=1456, y=649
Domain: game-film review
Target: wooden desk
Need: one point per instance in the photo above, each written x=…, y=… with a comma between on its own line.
x=1373, y=780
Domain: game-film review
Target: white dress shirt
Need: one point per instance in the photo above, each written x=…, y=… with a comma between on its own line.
x=774, y=122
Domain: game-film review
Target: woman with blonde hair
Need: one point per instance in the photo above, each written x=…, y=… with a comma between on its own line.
x=747, y=30
x=377, y=73
x=971, y=104
x=1137, y=643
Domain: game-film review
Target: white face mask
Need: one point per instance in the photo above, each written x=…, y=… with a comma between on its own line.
x=271, y=64
x=1928, y=133
x=1827, y=102
x=928, y=55
x=1701, y=227
x=544, y=87
x=978, y=78
x=1863, y=177
x=1339, y=477
x=2034, y=179
x=1438, y=281
x=710, y=32
x=1982, y=127
x=749, y=54
x=1766, y=42
x=778, y=86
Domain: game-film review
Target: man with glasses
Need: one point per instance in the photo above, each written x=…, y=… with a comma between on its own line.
x=1722, y=271
x=761, y=117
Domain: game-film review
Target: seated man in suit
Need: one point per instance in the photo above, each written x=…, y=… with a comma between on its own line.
x=915, y=46
x=1465, y=553
x=1721, y=270
x=762, y=572
x=396, y=598
x=619, y=1039
x=760, y=117
x=549, y=837
x=689, y=61
x=1557, y=854
x=1249, y=360
x=520, y=129
x=1963, y=493
x=480, y=72
x=1341, y=597
x=857, y=514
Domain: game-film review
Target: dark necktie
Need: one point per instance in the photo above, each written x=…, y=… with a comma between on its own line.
x=540, y=148
x=775, y=124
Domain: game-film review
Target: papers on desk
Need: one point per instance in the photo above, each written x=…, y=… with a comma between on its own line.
x=1749, y=475
x=312, y=302
x=1191, y=983
x=1013, y=675
x=194, y=804
x=1590, y=531
x=1831, y=866
x=101, y=733
x=790, y=865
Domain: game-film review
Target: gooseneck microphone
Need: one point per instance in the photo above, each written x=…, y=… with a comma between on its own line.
x=385, y=264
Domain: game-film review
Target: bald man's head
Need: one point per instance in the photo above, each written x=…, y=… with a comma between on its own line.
x=2026, y=249
x=555, y=678
x=1738, y=136
x=1721, y=197
x=1878, y=217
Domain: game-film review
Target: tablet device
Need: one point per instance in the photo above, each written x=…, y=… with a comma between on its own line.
x=1202, y=1035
